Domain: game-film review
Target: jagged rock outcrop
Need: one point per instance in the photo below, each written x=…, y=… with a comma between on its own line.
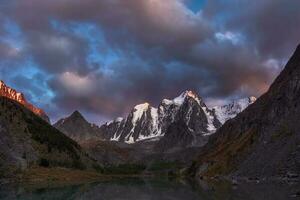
x=19, y=97
x=229, y=111
x=263, y=140
x=146, y=122
x=78, y=128
x=178, y=136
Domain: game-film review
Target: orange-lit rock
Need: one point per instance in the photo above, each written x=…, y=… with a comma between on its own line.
x=19, y=97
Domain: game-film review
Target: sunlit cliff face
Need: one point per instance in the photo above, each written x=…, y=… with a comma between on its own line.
x=192, y=94
x=19, y=97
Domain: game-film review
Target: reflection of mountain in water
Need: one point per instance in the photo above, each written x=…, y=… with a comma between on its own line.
x=130, y=189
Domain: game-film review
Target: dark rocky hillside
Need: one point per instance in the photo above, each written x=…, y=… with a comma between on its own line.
x=263, y=140
x=179, y=136
x=28, y=141
x=76, y=127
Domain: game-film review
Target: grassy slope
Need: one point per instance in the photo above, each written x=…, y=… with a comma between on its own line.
x=58, y=176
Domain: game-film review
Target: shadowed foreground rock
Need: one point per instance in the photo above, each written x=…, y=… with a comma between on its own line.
x=28, y=141
x=263, y=140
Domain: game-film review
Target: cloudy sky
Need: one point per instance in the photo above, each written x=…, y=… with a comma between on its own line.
x=102, y=57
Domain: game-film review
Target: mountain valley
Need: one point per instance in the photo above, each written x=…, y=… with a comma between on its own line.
x=181, y=136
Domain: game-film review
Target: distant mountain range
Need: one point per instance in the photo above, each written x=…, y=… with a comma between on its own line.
x=229, y=111
x=245, y=138
x=146, y=123
x=20, y=98
x=177, y=124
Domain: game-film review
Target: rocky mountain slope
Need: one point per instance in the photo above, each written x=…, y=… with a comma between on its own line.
x=263, y=140
x=19, y=97
x=78, y=128
x=27, y=141
x=229, y=111
x=179, y=136
x=146, y=122
x=165, y=123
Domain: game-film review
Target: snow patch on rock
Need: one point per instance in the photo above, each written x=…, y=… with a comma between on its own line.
x=229, y=111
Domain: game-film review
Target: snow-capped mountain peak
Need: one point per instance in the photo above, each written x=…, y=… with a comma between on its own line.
x=242, y=104
x=228, y=111
x=252, y=99
x=117, y=120
x=146, y=122
x=182, y=97
x=142, y=107
x=190, y=93
x=139, y=110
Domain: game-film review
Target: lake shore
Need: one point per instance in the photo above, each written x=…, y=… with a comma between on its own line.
x=57, y=176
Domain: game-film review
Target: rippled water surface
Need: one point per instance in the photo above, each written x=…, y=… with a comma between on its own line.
x=154, y=189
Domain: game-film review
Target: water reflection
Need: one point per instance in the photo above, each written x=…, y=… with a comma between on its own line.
x=154, y=189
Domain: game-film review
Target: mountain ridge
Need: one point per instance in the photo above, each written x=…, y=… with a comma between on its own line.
x=146, y=122
x=230, y=110
x=11, y=93
x=27, y=141
x=263, y=140
x=173, y=107
x=78, y=128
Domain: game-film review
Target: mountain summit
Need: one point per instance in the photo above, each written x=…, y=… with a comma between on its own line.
x=78, y=128
x=229, y=111
x=145, y=122
x=181, y=98
x=27, y=141
x=11, y=93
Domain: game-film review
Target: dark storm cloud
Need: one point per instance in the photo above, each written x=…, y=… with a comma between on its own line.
x=153, y=23
x=31, y=87
x=129, y=85
x=58, y=52
x=234, y=69
x=5, y=50
x=161, y=48
x=271, y=26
